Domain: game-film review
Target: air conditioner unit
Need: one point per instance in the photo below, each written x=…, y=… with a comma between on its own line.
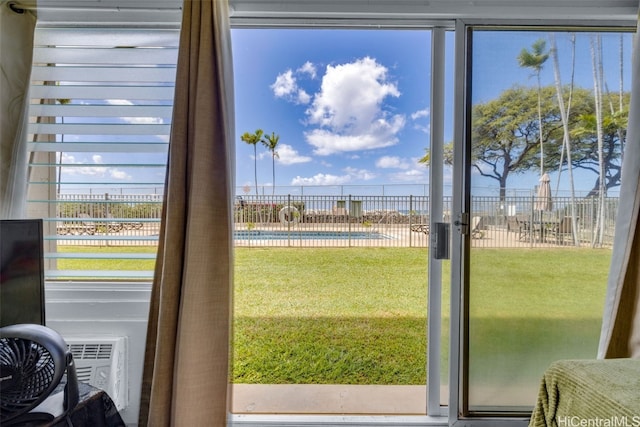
x=102, y=363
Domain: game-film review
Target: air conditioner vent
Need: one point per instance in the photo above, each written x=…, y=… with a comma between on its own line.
x=84, y=374
x=102, y=362
x=91, y=351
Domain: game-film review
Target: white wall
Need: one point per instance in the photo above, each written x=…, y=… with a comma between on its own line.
x=105, y=310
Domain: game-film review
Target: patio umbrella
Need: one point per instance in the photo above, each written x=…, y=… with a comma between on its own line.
x=543, y=197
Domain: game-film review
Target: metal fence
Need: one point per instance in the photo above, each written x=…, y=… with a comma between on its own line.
x=345, y=221
x=108, y=219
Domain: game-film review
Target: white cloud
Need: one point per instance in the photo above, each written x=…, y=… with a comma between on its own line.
x=308, y=68
x=120, y=175
x=321, y=179
x=303, y=97
x=284, y=85
x=328, y=179
x=360, y=174
x=379, y=134
x=418, y=124
x=422, y=128
x=137, y=120
x=68, y=158
x=420, y=113
x=287, y=155
x=392, y=162
x=411, y=175
x=348, y=109
x=411, y=170
x=92, y=169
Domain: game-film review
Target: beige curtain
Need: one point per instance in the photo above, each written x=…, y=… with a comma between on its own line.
x=620, y=336
x=186, y=372
x=17, y=27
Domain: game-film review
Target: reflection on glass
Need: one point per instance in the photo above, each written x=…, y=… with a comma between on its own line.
x=548, y=125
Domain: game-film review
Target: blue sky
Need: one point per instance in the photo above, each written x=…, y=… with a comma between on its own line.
x=351, y=107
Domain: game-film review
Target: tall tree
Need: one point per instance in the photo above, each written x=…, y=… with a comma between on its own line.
x=585, y=144
x=598, y=82
x=61, y=101
x=253, y=139
x=271, y=142
x=534, y=59
x=506, y=133
x=564, y=115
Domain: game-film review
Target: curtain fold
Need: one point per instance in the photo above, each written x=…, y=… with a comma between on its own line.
x=17, y=28
x=187, y=359
x=620, y=334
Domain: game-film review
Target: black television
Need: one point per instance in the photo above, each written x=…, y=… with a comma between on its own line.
x=21, y=272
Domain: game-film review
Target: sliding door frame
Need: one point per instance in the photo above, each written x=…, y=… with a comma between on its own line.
x=459, y=412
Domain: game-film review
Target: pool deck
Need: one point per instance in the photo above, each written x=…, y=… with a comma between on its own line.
x=395, y=235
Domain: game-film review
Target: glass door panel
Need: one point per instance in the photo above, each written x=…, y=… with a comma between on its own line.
x=543, y=185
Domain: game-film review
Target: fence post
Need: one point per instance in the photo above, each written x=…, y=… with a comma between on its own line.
x=410, y=219
x=288, y=222
x=347, y=213
x=593, y=214
x=106, y=218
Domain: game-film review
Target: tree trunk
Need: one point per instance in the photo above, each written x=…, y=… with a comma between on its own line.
x=566, y=144
x=596, y=57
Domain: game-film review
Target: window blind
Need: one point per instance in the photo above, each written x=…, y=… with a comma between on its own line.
x=100, y=116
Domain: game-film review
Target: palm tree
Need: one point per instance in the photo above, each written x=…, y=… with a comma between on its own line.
x=598, y=82
x=534, y=59
x=564, y=115
x=61, y=101
x=271, y=142
x=253, y=139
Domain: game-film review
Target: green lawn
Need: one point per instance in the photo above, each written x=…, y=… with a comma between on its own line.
x=358, y=315
x=109, y=264
x=330, y=315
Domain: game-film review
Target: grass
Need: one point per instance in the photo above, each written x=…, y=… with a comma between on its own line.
x=328, y=316
x=108, y=264
x=358, y=315
x=533, y=306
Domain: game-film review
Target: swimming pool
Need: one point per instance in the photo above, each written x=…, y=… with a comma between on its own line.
x=307, y=235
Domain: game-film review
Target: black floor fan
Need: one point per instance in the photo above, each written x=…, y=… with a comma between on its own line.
x=33, y=361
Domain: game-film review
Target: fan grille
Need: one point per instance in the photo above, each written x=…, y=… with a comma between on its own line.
x=32, y=372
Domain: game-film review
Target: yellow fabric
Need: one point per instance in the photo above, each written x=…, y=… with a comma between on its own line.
x=186, y=373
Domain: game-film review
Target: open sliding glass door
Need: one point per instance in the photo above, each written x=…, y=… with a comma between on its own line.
x=524, y=296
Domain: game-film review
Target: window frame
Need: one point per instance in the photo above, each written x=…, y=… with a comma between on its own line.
x=453, y=413
x=460, y=242
x=459, y=413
